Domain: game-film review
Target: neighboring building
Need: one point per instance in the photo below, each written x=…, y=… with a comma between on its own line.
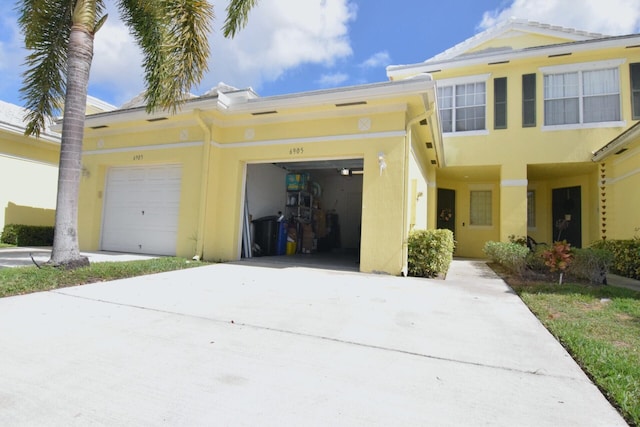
x=29, y=167
x=540, y=135
x=28, y=171
x=188, y=184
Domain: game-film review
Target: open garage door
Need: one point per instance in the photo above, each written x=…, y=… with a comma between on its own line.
x=141, y=209
x=323, y=214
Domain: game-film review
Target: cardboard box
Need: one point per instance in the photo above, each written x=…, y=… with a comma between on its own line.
x=297, y=181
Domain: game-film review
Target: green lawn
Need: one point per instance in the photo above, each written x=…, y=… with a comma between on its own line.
x=24, y=280
x=600, y=327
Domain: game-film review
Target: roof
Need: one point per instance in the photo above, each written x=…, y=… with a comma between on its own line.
x=618, y=143
x=463, y=54
x=508, y=28
x=12, y=119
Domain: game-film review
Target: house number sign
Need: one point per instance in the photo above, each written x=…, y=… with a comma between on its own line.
x=138, y=157
x=295, y=151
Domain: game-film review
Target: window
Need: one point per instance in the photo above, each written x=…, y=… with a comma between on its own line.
x=635, y=89
x=528, y=100
x=581, y=97
x=462, y=107
x=500, y=103
x=531, y=208
x=480, y=211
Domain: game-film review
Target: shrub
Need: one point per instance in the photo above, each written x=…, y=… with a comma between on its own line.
x=626, y=256
x=511, y=256
x=558, y=257
x=535, y=260
x=27, y=235
x=590, y=264
x=430, y=252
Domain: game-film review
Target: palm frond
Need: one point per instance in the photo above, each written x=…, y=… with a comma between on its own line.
x=237, y=16
x=173, y=36
x=46, y=25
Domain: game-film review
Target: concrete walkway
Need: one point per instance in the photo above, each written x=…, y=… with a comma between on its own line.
x=235, y=345
x=21, y=256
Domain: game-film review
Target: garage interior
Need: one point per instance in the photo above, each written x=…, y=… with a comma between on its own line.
x=304, y=213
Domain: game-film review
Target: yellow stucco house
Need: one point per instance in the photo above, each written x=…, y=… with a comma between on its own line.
x=541, y=135
x=192, y=183
x=524, y=129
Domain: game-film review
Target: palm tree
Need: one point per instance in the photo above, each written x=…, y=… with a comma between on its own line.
x=59, y=35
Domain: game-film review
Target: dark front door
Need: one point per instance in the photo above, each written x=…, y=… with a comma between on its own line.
x=446, y=209
x=567, y=215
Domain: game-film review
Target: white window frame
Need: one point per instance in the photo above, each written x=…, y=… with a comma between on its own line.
x=478, y=78
x=580, y=68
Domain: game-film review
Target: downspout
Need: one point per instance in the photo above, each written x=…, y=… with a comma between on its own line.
x=204, y=186
x=405, y=192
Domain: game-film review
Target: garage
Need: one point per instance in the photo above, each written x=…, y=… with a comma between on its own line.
x=141, y=209
x=301, y=212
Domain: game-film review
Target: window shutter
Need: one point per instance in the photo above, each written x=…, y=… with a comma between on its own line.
x=635, y=89
x=528, y=100
x=500, y=103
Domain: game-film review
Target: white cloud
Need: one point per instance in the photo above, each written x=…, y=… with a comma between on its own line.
x=611, y=17
x=377, y=60
x=280, y=35
x=330, y=80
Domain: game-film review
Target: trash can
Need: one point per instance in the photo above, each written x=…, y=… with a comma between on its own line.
x=266, y=235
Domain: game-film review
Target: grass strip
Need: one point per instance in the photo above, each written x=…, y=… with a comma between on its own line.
x=24, y=280
x=600, y=327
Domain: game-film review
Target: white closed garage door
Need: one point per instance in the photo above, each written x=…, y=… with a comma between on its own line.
x=141, y=209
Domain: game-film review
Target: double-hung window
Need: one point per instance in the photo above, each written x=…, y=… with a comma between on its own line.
x=463, y=104
x=588, y=93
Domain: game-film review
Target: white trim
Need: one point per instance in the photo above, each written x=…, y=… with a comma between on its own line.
x=576, y=126
x=26, y=159
x=143, y=148
x=311, y=140
x=582, y=66
x=463, y=80
x=514, y=183
x=625, y=176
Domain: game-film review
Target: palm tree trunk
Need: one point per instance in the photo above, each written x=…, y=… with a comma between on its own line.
x=66, y=252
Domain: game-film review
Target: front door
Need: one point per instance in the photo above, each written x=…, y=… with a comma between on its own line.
x=567, y=215
x=446, y=209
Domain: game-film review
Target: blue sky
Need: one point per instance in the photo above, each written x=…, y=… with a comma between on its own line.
x=301, y=45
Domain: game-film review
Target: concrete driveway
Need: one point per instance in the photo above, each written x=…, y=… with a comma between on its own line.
x=236, y=345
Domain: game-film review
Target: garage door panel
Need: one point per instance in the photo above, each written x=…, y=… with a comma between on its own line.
x=141, y=209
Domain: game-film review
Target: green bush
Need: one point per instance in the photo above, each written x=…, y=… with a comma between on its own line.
x=590, y=264
x=626, y=256
x=430, y=252
x=535, y=259
x=512, y=256
x=27, y=235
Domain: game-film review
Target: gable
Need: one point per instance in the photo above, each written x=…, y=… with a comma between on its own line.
x=515, y=34
x=515, y=40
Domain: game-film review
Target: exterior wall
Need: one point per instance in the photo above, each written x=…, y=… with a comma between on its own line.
x=562, y=154
x=621, y=194
x=29, y=173
x=220, y=153
x=134, y=148
x=382, y=210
